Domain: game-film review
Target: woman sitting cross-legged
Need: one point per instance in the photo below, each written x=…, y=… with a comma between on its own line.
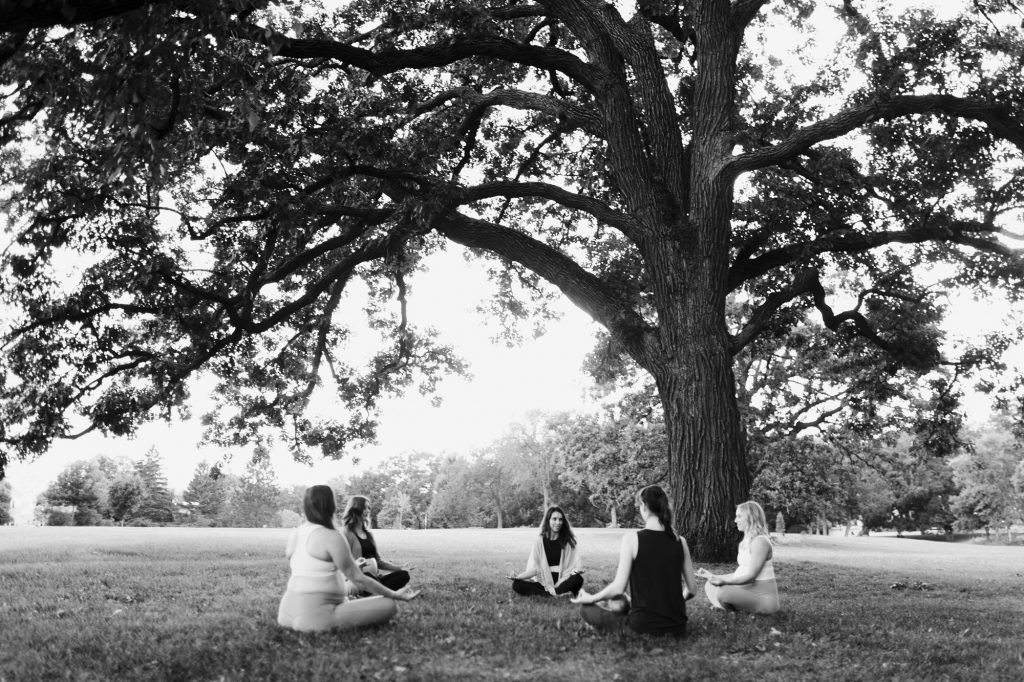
x=554, y=567
x=751, y=587
x=315, y=598
x=654, y=563
x=356, y=521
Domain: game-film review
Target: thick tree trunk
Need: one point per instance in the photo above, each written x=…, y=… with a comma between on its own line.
x=708, y=474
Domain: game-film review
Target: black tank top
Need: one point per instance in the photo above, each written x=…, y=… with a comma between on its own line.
x=368, y=547
x=656, y=585
x=552, y=551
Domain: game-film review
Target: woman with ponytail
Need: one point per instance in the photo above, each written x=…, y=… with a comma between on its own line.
x=654, y=563
x=751, y=587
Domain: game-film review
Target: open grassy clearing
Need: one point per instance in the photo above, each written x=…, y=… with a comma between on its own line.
x=175, y=603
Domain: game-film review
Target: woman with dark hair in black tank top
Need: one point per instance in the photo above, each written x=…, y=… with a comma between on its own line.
x=654, y=563
x=356, y=521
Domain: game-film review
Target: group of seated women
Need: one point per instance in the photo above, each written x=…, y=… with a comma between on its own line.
x=328, y=567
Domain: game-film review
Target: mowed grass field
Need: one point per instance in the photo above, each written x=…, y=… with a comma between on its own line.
x=201, y=604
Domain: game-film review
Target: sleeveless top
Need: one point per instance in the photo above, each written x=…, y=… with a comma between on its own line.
x=743, y=559
x=302, y=562
x=656, y=585
x=367, y=546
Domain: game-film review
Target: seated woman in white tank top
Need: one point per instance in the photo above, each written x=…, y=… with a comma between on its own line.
x=751, y=587
x=320, y=559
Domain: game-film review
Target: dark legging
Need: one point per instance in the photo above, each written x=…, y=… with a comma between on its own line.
x=529, y=588
x=395, y=580
x=603, y=619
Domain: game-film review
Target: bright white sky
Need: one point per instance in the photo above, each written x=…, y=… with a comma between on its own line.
x=541, y=374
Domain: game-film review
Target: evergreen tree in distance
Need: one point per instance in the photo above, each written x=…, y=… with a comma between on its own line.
x=205, y=498
x=256, y=500
x=157, y=503
x=5, y=502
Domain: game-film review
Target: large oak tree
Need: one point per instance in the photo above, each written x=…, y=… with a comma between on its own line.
x=230, y=168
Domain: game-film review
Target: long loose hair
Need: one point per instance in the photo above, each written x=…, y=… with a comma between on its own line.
x=657, y=502
x=756, y=517
x=319, y=506
x=355, y=511
x=565, y=534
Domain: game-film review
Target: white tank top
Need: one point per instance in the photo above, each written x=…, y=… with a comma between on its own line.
x=302, y=563
x=743, y=559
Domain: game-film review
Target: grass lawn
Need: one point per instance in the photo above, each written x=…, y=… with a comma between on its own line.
x=184, y=604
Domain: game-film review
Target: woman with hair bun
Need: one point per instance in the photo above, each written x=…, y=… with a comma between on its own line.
x=654, y=562
x=554, y=567
x=751, y=587
x=315, y=598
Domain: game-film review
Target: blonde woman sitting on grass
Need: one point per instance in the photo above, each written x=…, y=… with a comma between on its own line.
x=316, y=598
x=751, y=587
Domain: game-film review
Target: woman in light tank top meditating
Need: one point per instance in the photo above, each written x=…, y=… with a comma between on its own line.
x=751, y=587
x=655, y=563
x=554, y=568
x=319, y=557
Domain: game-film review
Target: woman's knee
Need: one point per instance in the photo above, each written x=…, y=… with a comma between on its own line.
x=602, y=619
x=366, y=611
x=591, y=614
x=387, y=609
x=573, y=584
x=711, y=591
x=396, y=580
x=525, y=588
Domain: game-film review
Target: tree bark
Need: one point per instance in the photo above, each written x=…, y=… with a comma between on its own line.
x=708, y=473
x=689, y=263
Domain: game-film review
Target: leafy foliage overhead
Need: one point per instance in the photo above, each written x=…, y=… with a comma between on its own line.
x=228, y=170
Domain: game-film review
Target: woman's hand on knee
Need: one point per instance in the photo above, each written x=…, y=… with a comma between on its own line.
x=582, y=597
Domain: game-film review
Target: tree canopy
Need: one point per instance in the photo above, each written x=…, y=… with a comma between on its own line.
x=229, y=169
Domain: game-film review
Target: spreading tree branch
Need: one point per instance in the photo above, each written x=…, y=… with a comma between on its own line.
x=580, y=117
x=851, y=241
x=430, y=56
x=999, y=118
x=763, y=314
x=584, y=289
x=744, y=11
x=599, y=210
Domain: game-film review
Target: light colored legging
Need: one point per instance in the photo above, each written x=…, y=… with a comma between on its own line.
x=314, y=611
x=760, y=596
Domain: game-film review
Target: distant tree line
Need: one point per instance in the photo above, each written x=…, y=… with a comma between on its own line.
x=590, y=464
x=107, y=491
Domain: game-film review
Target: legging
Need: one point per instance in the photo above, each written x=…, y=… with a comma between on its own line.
x=316, y=611
x=602, y=619
x=760, y=596
x=395, y=580
x=530, y=588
